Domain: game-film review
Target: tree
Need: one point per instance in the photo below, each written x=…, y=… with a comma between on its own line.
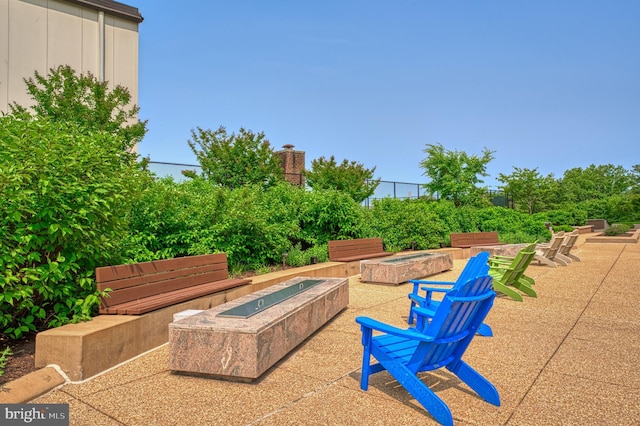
x=596, y=182
x=528, y=187
x=64, y=96
x=236, y=160
x=455, y=174
x=349, y=177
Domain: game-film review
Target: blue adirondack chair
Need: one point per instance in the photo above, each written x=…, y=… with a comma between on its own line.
x=441, y=343
x=477, y=265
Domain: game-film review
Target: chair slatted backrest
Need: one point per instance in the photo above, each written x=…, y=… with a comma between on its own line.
x=553, y=247
x=476, y=265
x=568, y=243
x=513, y=272
x=454, y=324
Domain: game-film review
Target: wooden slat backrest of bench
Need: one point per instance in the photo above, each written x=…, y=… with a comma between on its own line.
x=470, y=239
x=146, y=279
x=356, y=249
x=148, y=304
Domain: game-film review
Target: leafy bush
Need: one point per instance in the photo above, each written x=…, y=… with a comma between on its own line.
x=569, y=215
x=297, y=257
x=253, y=225
x=65, y=197
x=616, y=229
x=329, y=215
x=506, y=221
x=565, y=228
x=404, y=224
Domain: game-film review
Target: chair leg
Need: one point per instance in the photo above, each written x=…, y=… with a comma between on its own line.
x=546, y=261
x=476, y=381
x=561, y=259
x=485, y=330
x=507, y=291
x=527, y=280
x=421, y=392
x=411, y=318
x=526, y=289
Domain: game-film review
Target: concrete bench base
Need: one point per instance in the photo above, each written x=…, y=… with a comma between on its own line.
x=85, y=349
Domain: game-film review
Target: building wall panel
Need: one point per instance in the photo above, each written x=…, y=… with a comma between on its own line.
x=4, y=53
x=64, y=35
x=27, y=46
x=90, y=42
x=37, y=35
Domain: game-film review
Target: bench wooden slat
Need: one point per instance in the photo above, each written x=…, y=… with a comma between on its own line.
x=119, y=272
x=148, y=304
x=160, y=287
x=470, y=239
x=218, y=268
x=147, y=286
x=356, y=249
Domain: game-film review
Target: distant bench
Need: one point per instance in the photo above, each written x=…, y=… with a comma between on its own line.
x=470, y=239
x=139, y=288
x=356, y=249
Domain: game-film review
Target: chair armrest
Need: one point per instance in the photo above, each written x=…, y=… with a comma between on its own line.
x=501, y=259
x=425, y=312
x=431, y=282
x=437, y=289
x=367, y=323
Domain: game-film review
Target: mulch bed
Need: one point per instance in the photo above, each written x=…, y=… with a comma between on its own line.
x=22, y=361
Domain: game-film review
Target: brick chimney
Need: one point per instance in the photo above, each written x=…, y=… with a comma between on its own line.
x=292, y=164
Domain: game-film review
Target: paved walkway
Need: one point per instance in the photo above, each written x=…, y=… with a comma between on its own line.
x=569, y=357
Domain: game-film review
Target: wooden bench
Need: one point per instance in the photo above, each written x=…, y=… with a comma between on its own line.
x=139, y=288
x=470, y=239
x=357, y=249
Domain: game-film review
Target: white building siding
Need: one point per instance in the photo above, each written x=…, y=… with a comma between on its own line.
x=43, y=34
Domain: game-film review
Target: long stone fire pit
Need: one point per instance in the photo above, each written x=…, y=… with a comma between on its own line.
x=242, y=339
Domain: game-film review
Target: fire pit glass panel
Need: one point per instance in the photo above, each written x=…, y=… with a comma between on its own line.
x=405, y=258
x=260, y=304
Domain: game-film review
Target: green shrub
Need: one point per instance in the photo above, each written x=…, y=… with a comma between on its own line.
x=569, y=215
x=65, y=197
x=405, y=224
x=297, y=257
x=329, y=214
x=617, y=229
x=565, y=228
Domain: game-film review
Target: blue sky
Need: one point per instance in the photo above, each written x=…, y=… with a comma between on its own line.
x=550, y=85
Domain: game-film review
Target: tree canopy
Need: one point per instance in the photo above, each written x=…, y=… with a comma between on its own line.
x=234, y=160
x=350, y=177
x=527, y=187
x=65, y=96
x=455, y=175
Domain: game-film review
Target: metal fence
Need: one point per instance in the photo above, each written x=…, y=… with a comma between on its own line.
x=386, y=189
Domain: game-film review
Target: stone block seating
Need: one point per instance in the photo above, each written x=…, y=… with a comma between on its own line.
x=470, y=239
x=356, y=249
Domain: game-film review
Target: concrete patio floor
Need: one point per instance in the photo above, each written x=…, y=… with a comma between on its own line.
x=568, y=357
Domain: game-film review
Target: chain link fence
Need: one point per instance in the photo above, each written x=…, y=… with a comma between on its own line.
x=386, y=189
